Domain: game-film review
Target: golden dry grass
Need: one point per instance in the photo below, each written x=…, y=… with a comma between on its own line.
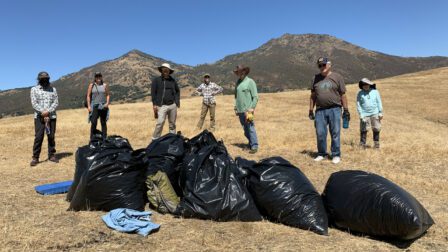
x=413, y=155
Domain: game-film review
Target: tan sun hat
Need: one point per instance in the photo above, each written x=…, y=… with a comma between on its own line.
x=166, y=65
x=368, y=82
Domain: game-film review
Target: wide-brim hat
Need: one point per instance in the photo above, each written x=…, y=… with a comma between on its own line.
x=166, y=65
x=365, y=81
x=243, y=68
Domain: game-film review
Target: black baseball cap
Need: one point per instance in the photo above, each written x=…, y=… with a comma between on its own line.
x=323, y=60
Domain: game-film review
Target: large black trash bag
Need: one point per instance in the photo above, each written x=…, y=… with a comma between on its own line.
x=83, y=158
x=166, y=154
x=211, y=190
x=367, y=203
x=115, y=179
x=203, y=139
x=243, y=165
x=284, y=194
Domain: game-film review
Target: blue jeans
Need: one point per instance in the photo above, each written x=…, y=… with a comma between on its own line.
x=249, y=131
x=331, y=118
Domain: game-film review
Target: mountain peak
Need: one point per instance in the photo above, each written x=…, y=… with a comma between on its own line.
x=134, y=52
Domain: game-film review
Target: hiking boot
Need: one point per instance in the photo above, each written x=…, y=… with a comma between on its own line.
x=377, y=145
x=53, y=159
x=34, y=162
x=336, y=160
x=319, y=158
x=253, y=151
x=363, y=145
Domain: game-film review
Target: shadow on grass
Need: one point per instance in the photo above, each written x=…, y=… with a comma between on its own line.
x=241, y=146
x=310, y=153
x=62, y=155
x=401, y=244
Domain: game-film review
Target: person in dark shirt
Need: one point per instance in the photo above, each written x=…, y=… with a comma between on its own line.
x=328, y=95
x=165, y=95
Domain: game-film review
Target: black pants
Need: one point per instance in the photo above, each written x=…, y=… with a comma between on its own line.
x=39, y=129
x=102, y=114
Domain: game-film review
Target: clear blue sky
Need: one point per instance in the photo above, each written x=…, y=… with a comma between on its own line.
x=63, y=36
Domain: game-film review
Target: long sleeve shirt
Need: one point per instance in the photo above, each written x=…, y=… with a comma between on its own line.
x=44, y=99
x=246, y=95
x=208, y=91
x=369, y=103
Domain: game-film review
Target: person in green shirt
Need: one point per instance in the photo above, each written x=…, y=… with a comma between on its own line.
x=246, y=99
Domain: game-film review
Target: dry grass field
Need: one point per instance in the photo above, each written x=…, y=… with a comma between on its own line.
x=414, y=155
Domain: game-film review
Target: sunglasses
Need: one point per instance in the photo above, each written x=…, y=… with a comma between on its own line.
x=321, y=65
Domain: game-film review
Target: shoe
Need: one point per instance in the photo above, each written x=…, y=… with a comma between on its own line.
x=319, y=158
x=53, y=159
x=336, y=160
x=34, y=162
x=362, y=145
x=253, y=151
x=377, y=145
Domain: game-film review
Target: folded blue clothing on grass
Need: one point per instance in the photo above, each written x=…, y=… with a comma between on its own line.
x=130, y=221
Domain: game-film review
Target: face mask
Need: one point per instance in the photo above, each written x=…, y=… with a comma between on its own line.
x=44, y=82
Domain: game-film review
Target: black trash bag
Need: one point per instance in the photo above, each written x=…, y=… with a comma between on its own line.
x=284, y=194
x=84, y=157
x=211, y=190
x=370, y=204
x=115, y=179
x=172, y=145
x=166, y=154
x=203, y=139
x=243, y=165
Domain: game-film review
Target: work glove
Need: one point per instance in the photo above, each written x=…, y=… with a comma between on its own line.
x=346, y=114
x=249, y=116
x=311, y=115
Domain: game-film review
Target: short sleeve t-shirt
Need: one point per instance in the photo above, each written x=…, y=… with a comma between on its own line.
x=328, y=89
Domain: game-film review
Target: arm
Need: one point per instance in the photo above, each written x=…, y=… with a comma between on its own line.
x=380, y=104
x=177, y=97
x=89, y=94
x=107, y=95
x=358, y=105
x=312, y=100
x=344, y=101
x=34, y=103
x=55, y=102
x=342, y=91
x=153, y=93
x=218, y=89
x=199, y=90
x=254, y=92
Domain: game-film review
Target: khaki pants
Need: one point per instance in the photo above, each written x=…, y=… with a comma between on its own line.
x=205, y=109
x=169, y=111
x=370, y=122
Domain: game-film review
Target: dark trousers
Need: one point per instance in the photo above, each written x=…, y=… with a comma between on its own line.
x=102, y=114
x=39, y=129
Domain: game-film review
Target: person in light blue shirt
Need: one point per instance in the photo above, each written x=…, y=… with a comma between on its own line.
x=370, y=109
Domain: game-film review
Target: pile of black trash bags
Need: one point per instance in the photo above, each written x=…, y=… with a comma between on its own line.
x=197, y=178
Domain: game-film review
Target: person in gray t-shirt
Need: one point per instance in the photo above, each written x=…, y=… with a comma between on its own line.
x=328, y=95
x=98, y=100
